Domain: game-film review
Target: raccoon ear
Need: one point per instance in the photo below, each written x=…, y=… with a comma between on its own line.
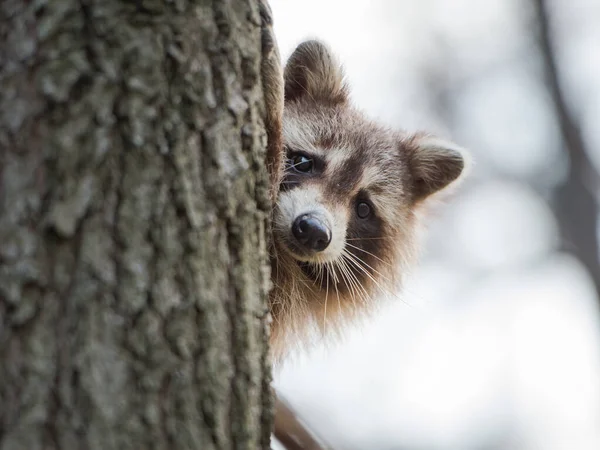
x=436, y=163
x=313, y=72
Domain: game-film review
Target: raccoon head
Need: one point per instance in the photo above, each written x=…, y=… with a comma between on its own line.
x=345, y=212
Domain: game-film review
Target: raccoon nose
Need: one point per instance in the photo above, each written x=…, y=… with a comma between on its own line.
x=311, y=232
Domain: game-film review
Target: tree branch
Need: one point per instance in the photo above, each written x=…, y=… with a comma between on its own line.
x=576, y=205
x=291, y=432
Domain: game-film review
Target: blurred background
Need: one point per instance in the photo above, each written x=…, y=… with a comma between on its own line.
x=495, y=341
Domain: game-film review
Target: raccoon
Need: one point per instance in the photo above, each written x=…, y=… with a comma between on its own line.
x=346, y=200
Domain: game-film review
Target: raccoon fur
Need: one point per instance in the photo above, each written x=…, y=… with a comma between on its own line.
x=346, y=193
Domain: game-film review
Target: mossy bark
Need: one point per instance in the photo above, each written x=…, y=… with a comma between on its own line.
x=133, y=208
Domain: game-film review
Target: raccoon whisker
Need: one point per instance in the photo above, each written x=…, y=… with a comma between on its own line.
x=363, y=265
x=335, y=277
x=326, y=297
x=359, y=288
x=331, y=274
x=368, y=253
x=377, y=284
x=305, y=284
x=337, y=293
x=303, y=280
x=321, y=274
x=365, y=271
x=350, y=279
x=368, y=239
x=291, y=166
x=364, y=295
x=317, y=271
x=344, y=275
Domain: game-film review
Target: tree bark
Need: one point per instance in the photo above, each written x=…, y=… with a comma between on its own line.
x=133, y=209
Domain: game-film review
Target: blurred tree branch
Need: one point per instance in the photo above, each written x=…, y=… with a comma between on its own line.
x=291, y=431
x=575, y=201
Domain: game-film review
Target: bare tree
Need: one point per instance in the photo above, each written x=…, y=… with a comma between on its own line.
x=576, y=204
x=133, y=209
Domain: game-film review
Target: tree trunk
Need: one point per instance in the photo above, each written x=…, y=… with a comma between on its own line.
x=133, y=208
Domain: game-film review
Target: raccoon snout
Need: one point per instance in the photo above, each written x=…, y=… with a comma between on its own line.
x=311, y=232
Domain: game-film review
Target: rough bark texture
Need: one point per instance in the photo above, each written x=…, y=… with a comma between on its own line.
x=133, y=206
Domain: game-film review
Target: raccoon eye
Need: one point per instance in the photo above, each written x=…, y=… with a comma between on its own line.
x=301, y=163
x=363, y=210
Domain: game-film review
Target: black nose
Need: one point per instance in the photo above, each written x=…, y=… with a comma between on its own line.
x=311, y=232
